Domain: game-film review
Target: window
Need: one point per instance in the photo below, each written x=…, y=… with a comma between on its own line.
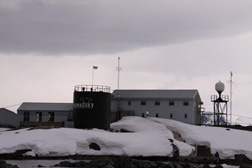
x=171, y=115
x=186, y=103
x=171, y=103
x=157, y=103
x=51, y=116
x=129, y=103
x=185, y=115
x=38, y=116
x=143, y=103
x=26, y=116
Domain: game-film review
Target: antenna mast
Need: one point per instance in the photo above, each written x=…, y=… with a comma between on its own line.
x=118, y=70
x=231, y=93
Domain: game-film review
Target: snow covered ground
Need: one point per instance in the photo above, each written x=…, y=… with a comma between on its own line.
x=147, y=137
x=226, y=142
x=3, y=129
x=245, y=121
x=208, y=119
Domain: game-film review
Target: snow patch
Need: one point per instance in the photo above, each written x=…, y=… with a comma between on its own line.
x=147, y=137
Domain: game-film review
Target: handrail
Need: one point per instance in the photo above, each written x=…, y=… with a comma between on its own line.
x=222, y=98
x=91, y=88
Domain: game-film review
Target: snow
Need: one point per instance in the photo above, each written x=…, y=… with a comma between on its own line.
x=4, y=129
x=146, y=137
x=226, y=142
x=244, y=121
x=208, y=119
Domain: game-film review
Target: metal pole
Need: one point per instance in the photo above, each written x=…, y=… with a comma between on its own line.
x=92, y=77
x=231, y=82
x=218, y=115
x=214, y=111
x=118, y=106
x=118, y=77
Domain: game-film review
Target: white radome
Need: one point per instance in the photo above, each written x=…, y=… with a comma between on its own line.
x=219, y=87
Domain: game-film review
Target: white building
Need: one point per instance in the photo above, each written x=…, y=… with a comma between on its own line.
x=34, y=114
x=180, y=105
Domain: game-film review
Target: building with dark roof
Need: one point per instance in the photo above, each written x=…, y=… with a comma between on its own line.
x=180, y=105
x=46, y=114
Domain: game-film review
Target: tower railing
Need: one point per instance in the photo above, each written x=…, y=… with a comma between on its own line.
x=224, y=98
x=91, y=88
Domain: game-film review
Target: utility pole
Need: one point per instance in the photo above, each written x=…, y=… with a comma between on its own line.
x=118, y=70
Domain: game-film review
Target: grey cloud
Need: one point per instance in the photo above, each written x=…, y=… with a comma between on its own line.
x=95, y=27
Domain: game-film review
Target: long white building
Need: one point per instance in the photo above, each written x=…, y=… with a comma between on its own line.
x=180, y=105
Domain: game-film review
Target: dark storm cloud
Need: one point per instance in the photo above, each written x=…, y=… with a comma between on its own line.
x=95, y=27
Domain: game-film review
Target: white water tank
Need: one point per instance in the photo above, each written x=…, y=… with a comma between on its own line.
x=219, y=87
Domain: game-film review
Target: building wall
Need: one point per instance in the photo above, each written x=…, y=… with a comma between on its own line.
x=9, y=118
x=197, y=109
x=58, y=116
x=155, y=107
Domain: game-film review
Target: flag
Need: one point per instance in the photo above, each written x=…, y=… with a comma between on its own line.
x=95, y=67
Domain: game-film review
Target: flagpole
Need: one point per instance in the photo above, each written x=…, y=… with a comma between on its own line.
x=92, y=76
x=94, y=67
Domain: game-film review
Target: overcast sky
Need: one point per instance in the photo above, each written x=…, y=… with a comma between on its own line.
x=49, y=46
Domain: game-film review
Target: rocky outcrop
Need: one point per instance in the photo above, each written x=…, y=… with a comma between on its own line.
x=3, y=164
x=94, y=146
x=124, y=162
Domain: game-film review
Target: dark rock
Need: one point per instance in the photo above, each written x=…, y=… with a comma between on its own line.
x=175, y=150
x=81, y=164
x=203, y=151
x=123, y=162
x=245, y=166
x=70, y=164
x=206, y=166
x=177, y=165
x=169, y=165
x=218, y=166
x=40, y=166
x=3, y=164
x=98, y=164
x=94, y=146
x=185, y=165
x=241, y=158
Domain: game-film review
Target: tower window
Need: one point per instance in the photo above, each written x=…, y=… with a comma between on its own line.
x=185, y=115
x=171, y=115
x=129, y=103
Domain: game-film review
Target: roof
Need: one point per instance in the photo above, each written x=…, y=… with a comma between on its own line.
x=45, y=106
x=156, y=94
x=6, y=110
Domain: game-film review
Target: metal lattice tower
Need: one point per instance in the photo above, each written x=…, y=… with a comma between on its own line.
x=118, y=70
x=220, y=105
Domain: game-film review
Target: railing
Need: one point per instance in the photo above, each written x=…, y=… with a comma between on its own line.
x=92, y=88
x=223, y=98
